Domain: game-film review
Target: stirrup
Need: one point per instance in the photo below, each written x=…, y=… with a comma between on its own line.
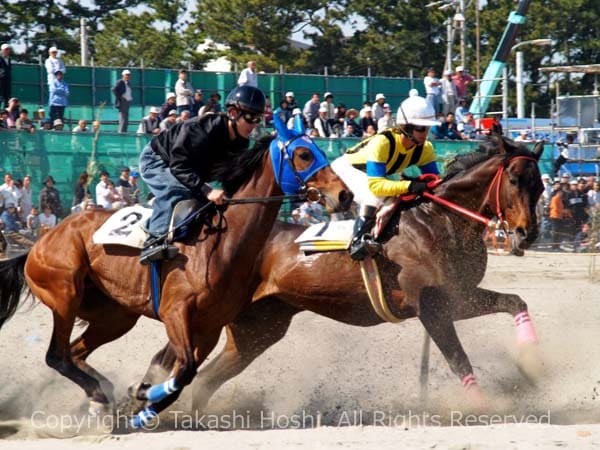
x=157, y=252
x=364, y=246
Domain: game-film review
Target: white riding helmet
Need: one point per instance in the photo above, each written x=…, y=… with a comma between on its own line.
x=416, y=111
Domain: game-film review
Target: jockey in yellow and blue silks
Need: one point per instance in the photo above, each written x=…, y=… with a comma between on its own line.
x=365, y=168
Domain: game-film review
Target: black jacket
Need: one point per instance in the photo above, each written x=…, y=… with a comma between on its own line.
x=119, y=90
x=193, y=148
x=5, y=79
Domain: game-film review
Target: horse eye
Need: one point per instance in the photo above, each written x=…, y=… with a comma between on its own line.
x=306, y=156
x=513, y=181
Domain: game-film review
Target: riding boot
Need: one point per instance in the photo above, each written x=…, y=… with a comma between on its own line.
x=363, y=244
x=155, y=250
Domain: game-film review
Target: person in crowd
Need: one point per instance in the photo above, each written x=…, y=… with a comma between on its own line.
x=134, y=196
x=582, y=239
x=198, y=102
x=216, y=102
x=461, y=110
x=49, y=196
x=47, y=219
x=328, y=104
x=5, y=75
x=322, y=125
x=59, y=96
x=268, y=113
x=46, y=125
x=449, y=95
x=210, y=107
x=387, y=121
x=185, y=115
x=367, y=120
x=9, y=191
x=311, y=108
x=168, y=106
x=95, y=126
x=102, y=191
x=349, y=131
x=123, y=185
x=3, y=119
x=81, y=127
x=81, y=193
x=496, y=127
x=283, y=111
x=340, y=115
x=32, y=222
x=523, y=136
x=291, y=120
x=54, y=63
x=377, y=107
x=578, y=204
x=150, y=124
x=466, y=128
x=291, y=99
x=184, y=92
x=113, y=197
x=351, y=116
x=564, y=150
x=10, y=218
x=25, y=197
x=310, y=213
x=557, y=215
x=462, y=80
x=168, y=121
x=58, y=124
x=123, y=98
x=248, y=76
x=14, y=109
x=378, y=155
x=24, y=123
x=172, y=171
x=433, y=89
x=594, y=196
x=370, y=131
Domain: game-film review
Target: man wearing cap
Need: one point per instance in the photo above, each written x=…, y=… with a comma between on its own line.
x=461, y=80
x=50, y=197
x=433, y=89
x=291, y=100
x=449, y=95
x=329, y=106
x=377, y=107
x=387, y=121
x=184, y=92
x=167, y=106
x=54, y=63
x=59, y=96
x=169, y=121
x=322, y=125
x=123, y=98
x=385, y=154
x=5, y=75
x=151, y=123
x=198, y=103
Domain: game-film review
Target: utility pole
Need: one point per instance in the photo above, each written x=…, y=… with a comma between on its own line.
x=84, y=42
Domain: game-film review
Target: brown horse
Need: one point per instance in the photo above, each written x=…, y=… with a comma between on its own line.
x=432, y=263
x=204, y=287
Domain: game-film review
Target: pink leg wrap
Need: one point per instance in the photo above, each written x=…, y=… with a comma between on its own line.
x=525, y=331
x=474, y=394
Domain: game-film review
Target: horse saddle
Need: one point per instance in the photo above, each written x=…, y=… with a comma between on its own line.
x=126, y=225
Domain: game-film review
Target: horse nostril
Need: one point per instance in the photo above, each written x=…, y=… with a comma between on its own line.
x=346, y=198
x=521, y=232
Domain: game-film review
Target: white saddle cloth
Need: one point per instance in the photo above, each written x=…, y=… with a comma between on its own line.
x=124, y=227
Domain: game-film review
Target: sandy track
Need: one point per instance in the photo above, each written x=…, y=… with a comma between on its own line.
x=340, y=376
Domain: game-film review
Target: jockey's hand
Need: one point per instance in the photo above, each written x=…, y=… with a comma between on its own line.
x=417, y=187
x=216, y=196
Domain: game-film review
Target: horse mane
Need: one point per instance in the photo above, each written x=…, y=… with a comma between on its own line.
x=486, y=150
x=236, y=172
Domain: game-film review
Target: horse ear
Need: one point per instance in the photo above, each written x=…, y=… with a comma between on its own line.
x=538, y=149
x=282, y=130
x=299, y=125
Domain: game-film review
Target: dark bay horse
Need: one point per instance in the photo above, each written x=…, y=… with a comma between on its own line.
x=204, y=287
x=432, y=263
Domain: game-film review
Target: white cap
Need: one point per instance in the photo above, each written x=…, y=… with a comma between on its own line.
x=154, y=109
x=386, y=107
x=367, y=109
x=447, y=72
x=378, y=96
x=296, y=111
x=171, y=113
x=460, y=69
x=52, y=49
x=413, y=92
x=545, y=176
x=4, y=46
x=289, y=94
x=126, y=72
x=327, y=94
x=323, y=109
x=170, y=94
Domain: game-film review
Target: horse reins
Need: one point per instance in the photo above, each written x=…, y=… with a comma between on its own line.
x=496, y=181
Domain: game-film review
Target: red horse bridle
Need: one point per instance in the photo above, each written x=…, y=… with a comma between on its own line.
x=495, y=184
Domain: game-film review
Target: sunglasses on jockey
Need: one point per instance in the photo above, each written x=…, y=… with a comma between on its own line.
x=250, y=118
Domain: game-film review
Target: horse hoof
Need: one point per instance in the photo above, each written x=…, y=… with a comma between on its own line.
x=96, y=409
x=530, y=363
x=137, y=391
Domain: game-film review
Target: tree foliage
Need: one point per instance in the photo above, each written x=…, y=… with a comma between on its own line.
x=390, y=38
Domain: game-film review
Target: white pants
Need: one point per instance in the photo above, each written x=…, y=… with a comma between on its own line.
x=357, y=181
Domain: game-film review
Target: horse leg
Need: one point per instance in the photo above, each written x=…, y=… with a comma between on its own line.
x=483, y=301
x=257, y=328
x=190, y=351
x=99, y=332
x=436, y=316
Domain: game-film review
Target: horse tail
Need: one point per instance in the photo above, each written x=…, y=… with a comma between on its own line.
x=12, y=282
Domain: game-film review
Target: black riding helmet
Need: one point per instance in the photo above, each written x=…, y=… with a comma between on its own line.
x=246, y=98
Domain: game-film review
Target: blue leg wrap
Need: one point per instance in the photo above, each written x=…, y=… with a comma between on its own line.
x=159, y=391
x=143, y=417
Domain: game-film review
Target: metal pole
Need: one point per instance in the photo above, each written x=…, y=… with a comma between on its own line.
x=463, y=30
x=449, y=46
x=505, y=99
x=84, y=39
x=519, y=82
